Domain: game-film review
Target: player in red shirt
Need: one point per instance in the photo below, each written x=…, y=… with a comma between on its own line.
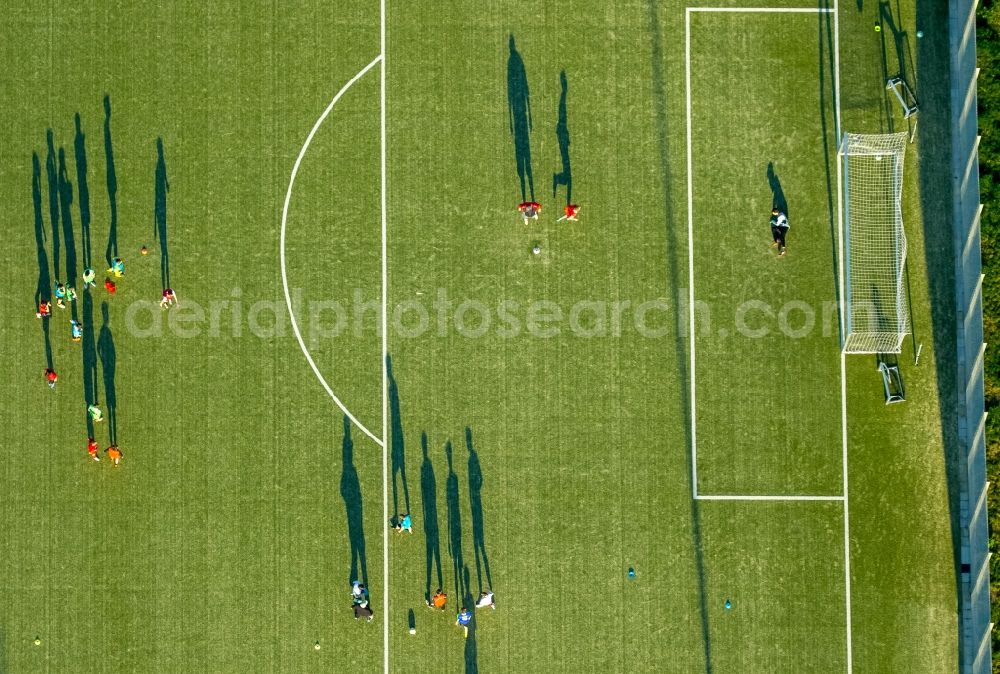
x=44, y=309
x=110, y=286
x=529, y=210
x=51, y=377
x=571, y=211
x=92, y=449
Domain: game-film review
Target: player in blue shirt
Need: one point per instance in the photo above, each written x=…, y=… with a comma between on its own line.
x=77, y=329
x=404, y=523
x=464, y=619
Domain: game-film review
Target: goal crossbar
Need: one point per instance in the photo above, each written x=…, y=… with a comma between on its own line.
x=876, y=314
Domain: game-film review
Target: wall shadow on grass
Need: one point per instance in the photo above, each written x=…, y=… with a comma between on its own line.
x=432, y=532
x=350, y=491
x=674, y=255
x=937, y=206
x=519, y=113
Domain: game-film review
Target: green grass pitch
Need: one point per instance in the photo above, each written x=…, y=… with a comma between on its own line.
x=550, y=420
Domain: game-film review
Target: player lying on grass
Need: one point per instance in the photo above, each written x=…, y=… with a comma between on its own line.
x=486, y=599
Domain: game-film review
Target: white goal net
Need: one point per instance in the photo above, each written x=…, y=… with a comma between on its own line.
x=876, y=315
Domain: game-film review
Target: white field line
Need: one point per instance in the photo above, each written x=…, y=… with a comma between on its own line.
x=690, y=200
x=788, y=10
x=843, y=360
x=764, y=497
x=385, y=349
x=284, y=271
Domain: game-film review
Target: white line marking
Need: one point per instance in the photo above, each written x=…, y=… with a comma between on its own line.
x=764, y=497
x=790, y=10
x=843, y=361
x=694, y=407
x=385, y=349
x=284, y=272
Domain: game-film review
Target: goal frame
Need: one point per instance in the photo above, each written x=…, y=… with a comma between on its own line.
x=871, y=338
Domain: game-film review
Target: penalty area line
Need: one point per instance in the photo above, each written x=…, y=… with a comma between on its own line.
x=284, y=271
x=782, y=10
x=764, y=497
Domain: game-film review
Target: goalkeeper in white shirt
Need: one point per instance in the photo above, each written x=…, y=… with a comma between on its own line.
x=779, y=229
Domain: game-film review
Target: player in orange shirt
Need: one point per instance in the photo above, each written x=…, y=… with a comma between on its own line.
x=92, y=449
x=114, y=454
x=439, y=600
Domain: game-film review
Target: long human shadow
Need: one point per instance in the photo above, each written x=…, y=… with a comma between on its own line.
x=43, y=289
x=777, y=194
x=398, y=453
x=160, y=213
x=432, y=533
x=672, y=250
x=106, y=352
x=519, y=113
x=52, y=173
x=562, y=136
x=112, y=181
x=66, y=216
x=454, y=523
x=350, y=491
x=471, y=651
x=89, y=350
x=476, y=504
x=88, y=343
x=83, y=190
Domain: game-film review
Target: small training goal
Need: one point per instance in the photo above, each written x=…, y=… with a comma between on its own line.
x=876, y=316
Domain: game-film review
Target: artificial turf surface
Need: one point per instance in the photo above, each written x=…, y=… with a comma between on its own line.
x=541, y=454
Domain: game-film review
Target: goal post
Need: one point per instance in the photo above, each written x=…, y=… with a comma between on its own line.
x=876, y=316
